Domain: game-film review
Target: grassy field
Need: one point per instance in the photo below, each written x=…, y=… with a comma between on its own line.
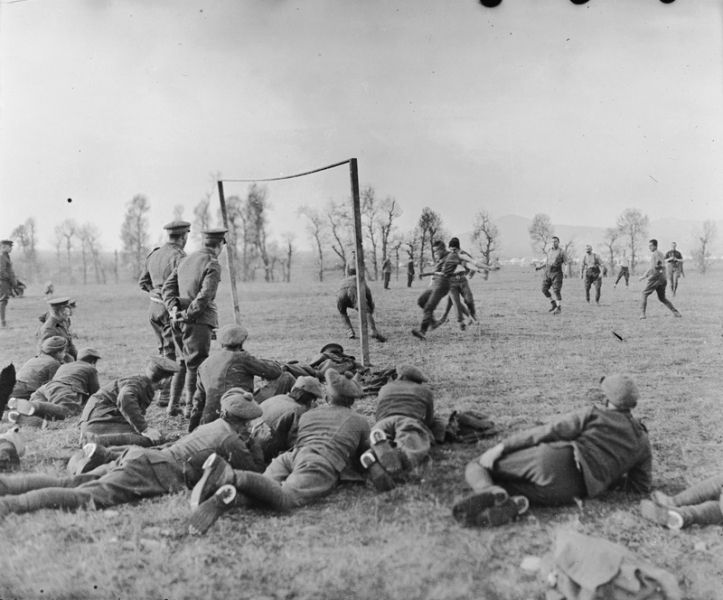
x=521, y=365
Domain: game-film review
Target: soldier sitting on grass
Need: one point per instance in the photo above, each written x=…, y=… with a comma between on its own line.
x=141, y=472
x=700, y=504
x=402, y=435
x=57, y=323
x=115, y=414
x=66, y=393
x=40, y=369
x=232, y=366
x=330, y=441
x=580, y=455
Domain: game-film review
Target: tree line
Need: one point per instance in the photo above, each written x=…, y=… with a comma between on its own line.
x=630, y=232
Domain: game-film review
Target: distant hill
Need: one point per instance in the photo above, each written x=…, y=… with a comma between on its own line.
x=516, y=238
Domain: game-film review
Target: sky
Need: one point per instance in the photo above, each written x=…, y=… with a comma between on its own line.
x=575, y=111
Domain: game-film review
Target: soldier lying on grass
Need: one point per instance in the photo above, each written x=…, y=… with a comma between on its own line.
x=330, y=441
x=142, y=472
x=40, y=369
x=700, y=504
x=580, y=455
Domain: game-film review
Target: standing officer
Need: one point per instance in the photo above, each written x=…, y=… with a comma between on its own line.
x=160, y=263
x=591, y=272
x=556, y=257
x=189, y=294
x=674, y=266
x=7, y=277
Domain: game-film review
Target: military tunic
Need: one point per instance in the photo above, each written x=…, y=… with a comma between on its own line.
x=33, y=374
x=281, y=414
x=8, y=281
x=192, y=287
x=69, y=389
x=119, y=407
x=54, y=325
x=160, y=263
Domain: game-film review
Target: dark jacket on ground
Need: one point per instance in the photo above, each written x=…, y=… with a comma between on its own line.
x=407, y=399
x=121, y=401
x=33, y=374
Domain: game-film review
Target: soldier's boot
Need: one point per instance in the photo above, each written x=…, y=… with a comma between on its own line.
x=45, y=410
x=381, y=480
x=390, y=458
x=90, y=457
x=263, y=489
x=164, y=394
x=207, y=513
x=45, y=498
x=708, y=489
x=706, y=513
x=176, y=390
x=216, y=473
x=118, y=439
x=189, y=389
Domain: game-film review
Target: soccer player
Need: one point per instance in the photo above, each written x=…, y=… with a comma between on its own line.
x=556, y=257
x=656, y=279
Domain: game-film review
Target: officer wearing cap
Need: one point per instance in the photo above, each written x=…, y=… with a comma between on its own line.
x=141, y=472
x=67, y=392
x=57, y=323
x=116, y=414
x=160, y=263
x=282, y=413
x=8, y=281
x=189, y=294
x=330, y=440
x=579, y=455
x=231, y=367
x=405, y=419
x=36, y=371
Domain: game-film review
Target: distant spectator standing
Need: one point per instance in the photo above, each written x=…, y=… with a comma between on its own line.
x=387, y=272
x=674, y=266
x=591, y=271
x=656, y=279
x=556, y=258
x=8, y=281
x=160, y=263
x=410, y=271
x=624, y=265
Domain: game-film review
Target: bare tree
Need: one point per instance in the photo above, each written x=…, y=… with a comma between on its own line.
x=178, y=212
x=633, y=226
x=90, y=246
x=411, y=241
x=541, y=232
x=25, y=235
x=395, y=244
x=487, y=237
x=58, y=245
x=611, y=241
x=316, y=228
x=370, y=209
x=571, y=252
x=201, y=216
x=705, y=238
x=389, y=212
x=288, y=248
x=340, y=227
x=68, y=230
x=257, y=208
x=134, y=233
x=430, y=226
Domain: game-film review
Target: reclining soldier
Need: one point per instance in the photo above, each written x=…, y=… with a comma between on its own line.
x=330, y=440
x=232, y=366
x=402, y=435
x=115, y=414
x=66, y=393
x=579, y=455
x=40, y=369
x=142, y=472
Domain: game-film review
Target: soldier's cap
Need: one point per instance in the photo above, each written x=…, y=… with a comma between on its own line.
x=177, y=227
x=620, y=390
x=8, y=242
x=60, y=302
x=411, y=373
x=454, y=243
x=14, y=437
x=88, y=353
x=239, y=403
x=158, y=365
x=310, y=385
x=215, y=235
x=232, y=335
x=342, y=385
x=333, y=347
x=54, y=344
x=72, y=302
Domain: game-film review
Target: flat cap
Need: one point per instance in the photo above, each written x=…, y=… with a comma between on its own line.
x=60, y=302
x=88, y=353
x=454, y=242
x=310, y=385
x=232, y=335
x=9, y=242
x=620, y=390
x=239, y=403
x=54, y=344
x=177, y=227
x=342, y=385
x=333, y=347
x=215, y=235
x=411, y=373
x=161, y=364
